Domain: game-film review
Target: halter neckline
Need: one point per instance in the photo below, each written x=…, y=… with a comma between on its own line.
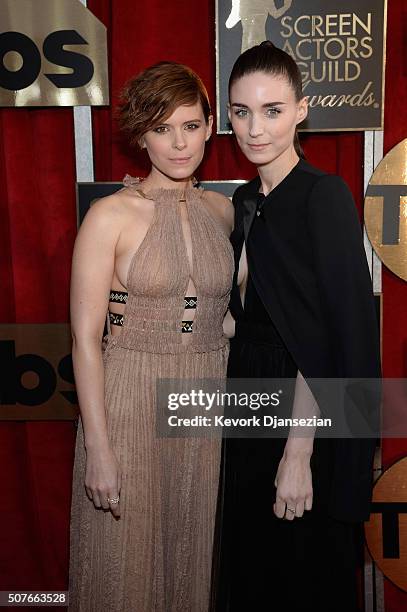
x=134, y=183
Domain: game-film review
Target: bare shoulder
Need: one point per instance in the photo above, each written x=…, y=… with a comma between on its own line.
x=221, y=207
x=104, y=210
x=112, y=210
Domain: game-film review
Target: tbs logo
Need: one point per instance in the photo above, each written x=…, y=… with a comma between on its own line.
x=36, y=374
x=53, y=50
x=52, y=53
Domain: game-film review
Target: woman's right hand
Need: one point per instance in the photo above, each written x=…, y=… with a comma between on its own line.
x=103, y=479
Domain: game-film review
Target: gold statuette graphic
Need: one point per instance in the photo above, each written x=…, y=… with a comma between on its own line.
x=52, y=53
x=253, y=15
x=386, y=531
x=386, y=210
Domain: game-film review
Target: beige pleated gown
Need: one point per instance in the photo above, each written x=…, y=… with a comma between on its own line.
x=157, y=557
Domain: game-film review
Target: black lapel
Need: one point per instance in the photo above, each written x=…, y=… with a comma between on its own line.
x=249, y=211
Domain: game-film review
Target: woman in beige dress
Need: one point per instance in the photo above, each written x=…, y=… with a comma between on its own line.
x=143, y=506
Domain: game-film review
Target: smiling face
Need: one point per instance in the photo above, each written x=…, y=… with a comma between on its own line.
x=176, y=146
x=264, y=114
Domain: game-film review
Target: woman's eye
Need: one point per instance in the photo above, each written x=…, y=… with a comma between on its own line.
x=240, y=112
x=192, y=126
x=161, y=129
x=273, y=111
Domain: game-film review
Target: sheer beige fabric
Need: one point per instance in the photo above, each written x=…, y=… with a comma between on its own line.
x=157, y=556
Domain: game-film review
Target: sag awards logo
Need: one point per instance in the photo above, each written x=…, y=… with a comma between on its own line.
x=338, y=47
x=52, y=53
x=386, y=531
x=386, y=210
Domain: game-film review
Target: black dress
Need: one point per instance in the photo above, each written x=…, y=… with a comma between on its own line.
x=310, y=563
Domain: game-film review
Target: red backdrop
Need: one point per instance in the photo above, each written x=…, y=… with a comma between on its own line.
x=38, y=227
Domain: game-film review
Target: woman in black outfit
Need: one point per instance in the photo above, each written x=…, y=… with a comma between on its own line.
x=303, y=305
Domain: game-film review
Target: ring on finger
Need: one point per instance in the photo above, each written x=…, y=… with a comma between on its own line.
x=290, y=510
x=113, y=500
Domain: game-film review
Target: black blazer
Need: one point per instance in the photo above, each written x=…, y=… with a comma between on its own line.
x=313, y=279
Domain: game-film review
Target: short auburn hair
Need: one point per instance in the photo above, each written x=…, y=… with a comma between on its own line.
x=152, y=96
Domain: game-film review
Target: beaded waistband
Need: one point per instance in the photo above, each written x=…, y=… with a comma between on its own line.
x=118, y=319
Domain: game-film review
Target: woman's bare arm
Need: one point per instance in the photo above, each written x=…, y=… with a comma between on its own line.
x=92, y=271
x=294, y=478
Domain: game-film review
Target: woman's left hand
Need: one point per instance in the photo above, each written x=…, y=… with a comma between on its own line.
x=294, y=486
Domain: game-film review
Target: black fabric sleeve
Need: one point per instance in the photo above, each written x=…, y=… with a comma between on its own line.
x=347, y=302
x=343, y=278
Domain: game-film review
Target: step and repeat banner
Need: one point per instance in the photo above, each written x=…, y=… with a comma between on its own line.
x=54, y=53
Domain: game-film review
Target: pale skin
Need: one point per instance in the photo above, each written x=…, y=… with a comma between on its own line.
x=264, y=113
x=109, y=236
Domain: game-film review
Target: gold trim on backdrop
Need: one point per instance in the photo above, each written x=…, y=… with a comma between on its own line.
x=384, y=60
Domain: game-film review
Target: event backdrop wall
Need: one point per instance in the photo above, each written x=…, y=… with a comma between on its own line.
x=38, y=227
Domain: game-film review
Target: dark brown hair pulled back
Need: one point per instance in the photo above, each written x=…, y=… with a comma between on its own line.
x=269, y=59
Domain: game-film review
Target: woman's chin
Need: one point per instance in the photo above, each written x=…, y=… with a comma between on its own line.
x=179, y=173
